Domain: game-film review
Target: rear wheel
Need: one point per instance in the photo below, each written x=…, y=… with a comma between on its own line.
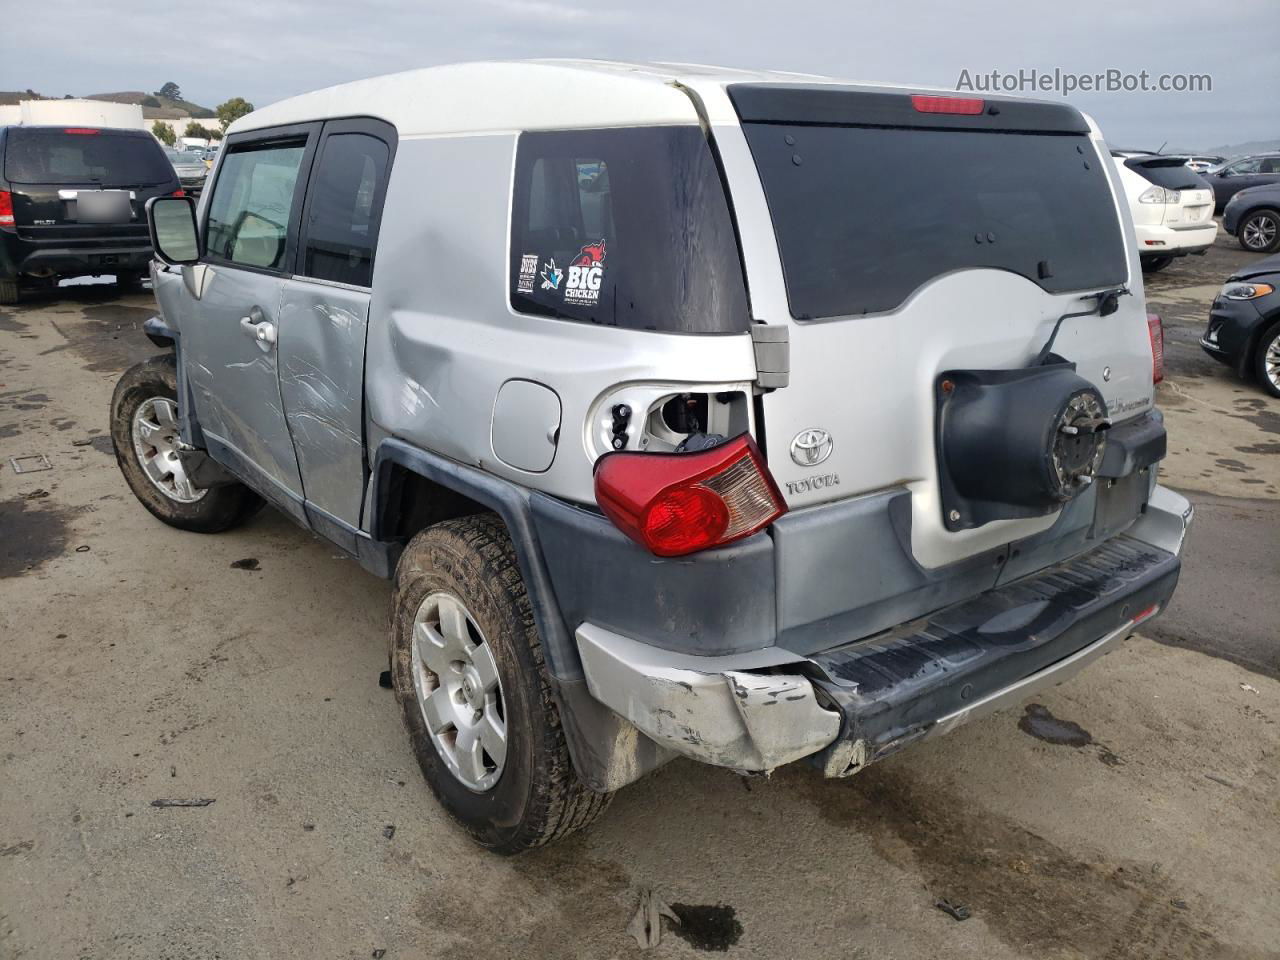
x=8, y=292
x=1267, y=360
x=468, y=671
x=1155, y=264
x=1259, y=232
x=144, y=432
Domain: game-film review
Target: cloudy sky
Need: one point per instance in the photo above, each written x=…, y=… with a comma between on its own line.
x=265, y=50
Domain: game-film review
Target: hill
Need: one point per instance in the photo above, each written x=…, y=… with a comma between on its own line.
x=168, y=107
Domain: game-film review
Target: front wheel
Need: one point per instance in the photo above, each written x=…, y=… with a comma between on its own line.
x=8, y=292
x=144, y=432
x=468, y=671
x=1267, y=361
x=1259, y=232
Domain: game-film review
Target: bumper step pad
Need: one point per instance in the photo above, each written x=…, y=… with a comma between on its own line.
x=927, y=676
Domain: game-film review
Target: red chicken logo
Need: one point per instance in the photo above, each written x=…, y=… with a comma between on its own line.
x=591, y=255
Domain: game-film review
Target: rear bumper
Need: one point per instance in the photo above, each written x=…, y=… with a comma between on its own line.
x=1175, y=241
x=853, y=704
x=79, y=259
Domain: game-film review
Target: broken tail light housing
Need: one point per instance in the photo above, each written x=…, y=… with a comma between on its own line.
x=6, y=208
x=964, y=106
x=674, y=504
x=1155, y=331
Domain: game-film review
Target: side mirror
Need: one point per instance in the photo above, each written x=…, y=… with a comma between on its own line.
x=172, y=223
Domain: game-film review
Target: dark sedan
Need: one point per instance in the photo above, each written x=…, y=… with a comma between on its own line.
x=1244, y=323
x=1230, y=178
x=1253, y=217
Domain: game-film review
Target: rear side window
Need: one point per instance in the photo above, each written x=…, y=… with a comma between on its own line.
x=252, y=203
x=627, y=228
x=345, y=205
x=84, y=155
x=865, y=216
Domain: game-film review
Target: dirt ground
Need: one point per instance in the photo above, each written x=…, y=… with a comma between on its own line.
x=1130, y=813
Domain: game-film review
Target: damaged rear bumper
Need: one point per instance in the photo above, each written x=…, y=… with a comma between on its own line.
x=859, y=702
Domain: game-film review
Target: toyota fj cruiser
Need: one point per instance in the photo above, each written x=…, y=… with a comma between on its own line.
x=676, y=439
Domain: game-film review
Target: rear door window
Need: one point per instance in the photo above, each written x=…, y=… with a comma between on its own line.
x=627, y=228
x=252, y=203
x=344, y=208
x=84, y=155
x=866, y=215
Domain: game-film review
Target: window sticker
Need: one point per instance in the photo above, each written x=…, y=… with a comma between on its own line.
x=551, y=275
x=528, y=273
x=586, y=272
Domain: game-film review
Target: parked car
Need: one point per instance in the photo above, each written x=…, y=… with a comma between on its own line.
x=190, y=167
x=1244, y=324
x=1253, y=215
x=72, y=203
x=1230, y=178
x=1171, y=206
x=1201, y=164
x=494, y=340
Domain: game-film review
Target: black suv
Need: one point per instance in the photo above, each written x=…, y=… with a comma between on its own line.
x=72, y=203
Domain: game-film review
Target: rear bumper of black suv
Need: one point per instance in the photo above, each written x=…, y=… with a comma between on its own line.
x=71, y=258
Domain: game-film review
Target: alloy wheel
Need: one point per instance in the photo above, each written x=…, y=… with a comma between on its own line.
x=456, y=684
x=155, y=439
x=1259, y=231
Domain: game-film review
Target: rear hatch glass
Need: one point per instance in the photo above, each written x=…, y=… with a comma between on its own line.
x=1172, y=173
x=865, y=214
x=82, y=156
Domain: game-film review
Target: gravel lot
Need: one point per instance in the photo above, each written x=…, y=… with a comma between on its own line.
x=1130, y=813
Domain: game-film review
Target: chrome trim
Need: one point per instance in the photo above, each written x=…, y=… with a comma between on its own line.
x=331, y=283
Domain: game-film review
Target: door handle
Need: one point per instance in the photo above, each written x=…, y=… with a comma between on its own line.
x=262, y=332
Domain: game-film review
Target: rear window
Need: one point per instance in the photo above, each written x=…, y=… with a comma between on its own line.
x=865, y=216
x=1172, y=173
x=108, y=157
x=626, y=228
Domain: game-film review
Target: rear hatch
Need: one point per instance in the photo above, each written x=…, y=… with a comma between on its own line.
x=914, y=242
x=1194, y=204
x=84, y=184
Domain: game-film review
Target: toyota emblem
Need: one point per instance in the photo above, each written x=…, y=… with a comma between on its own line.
x=811, y=447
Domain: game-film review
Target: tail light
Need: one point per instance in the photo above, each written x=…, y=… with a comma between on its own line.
x=678, y=503
x=178, y=193
x=6, y=208
x=82, y=131
x=966, y=106
x=1155, y=330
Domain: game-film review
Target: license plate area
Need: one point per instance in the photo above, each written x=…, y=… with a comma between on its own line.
x=102, y=206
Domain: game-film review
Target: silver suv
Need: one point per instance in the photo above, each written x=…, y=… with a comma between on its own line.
x=678, y=435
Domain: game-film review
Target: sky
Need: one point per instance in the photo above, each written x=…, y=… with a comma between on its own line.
x=266, y=50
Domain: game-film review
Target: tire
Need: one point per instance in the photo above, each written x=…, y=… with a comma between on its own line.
x=8, y=293
x=533, y=795
x=1266, y=360
x=1259, y=232
x=152, y=383
x=1155, y=264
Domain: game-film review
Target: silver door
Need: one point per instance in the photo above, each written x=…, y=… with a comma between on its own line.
x=324, y=313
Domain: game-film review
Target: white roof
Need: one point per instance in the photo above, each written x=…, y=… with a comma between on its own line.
x=507, y=96
x=513, y=95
